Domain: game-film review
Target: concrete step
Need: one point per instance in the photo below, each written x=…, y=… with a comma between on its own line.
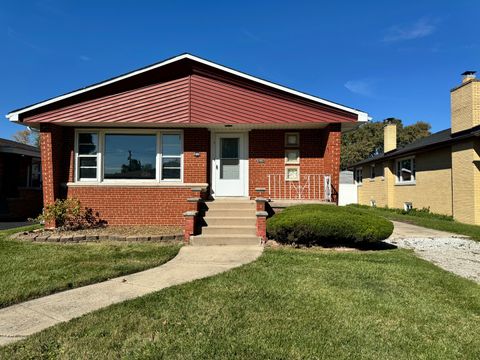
x=229, y=230
x=230, y=221
x=230, y=212
x=217, y=205
x=204, y=240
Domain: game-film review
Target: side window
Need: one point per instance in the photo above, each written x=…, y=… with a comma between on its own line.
x=406, y=170
x=87, y=158
x=171, y=156
x=358, y=176
x=35, y=174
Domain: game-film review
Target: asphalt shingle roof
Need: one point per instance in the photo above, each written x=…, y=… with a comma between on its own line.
x=7, y=145
x=436, y=139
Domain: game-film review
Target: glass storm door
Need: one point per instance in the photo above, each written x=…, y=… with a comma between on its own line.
x=229, y=165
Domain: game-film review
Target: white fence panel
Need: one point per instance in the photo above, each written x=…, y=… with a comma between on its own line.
x=347, y=194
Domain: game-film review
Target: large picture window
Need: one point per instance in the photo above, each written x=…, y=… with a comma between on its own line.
x=130, y=156
x=406, y=170
x=114, y=155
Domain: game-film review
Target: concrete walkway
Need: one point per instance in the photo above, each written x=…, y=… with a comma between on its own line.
x=191, y=263
x=403, y=231
x=452, y=252
x=5, y=225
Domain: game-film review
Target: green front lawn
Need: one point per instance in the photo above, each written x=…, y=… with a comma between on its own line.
x=432, y=221
x=29, y=270
x=290, y=304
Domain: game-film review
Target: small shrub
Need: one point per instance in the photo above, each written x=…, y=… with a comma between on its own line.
x=327, y=224
x=68, y=214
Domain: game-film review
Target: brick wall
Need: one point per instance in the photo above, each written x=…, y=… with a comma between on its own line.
x=57, y=165
x=17, y=201
x=27, y=204
x=465, y=105
x=120, y=205
x=433, y=171
x=123, y=205
x=196, y=169
x=319, y=154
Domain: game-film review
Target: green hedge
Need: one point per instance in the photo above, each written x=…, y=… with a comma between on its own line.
x=327, y=224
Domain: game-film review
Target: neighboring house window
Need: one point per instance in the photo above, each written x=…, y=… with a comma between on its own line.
x=113, y=155
x=372, y=172
x=87, y=160
x=35, y=174
x=358, y=176
x=406, y=170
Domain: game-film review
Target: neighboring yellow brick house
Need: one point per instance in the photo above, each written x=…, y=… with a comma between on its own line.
x=440, y=172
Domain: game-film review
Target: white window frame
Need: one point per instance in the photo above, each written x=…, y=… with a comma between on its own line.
x=78, y=156
x=297, y=154
x=161, y=157
x=101, y=148
x=292, y=168
x=398, y=174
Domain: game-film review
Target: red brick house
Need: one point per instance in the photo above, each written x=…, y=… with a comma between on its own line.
x=20, y=181
x=146, y=146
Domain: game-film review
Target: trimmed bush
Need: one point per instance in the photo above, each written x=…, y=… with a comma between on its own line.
x=327, y=224
x=69, y=214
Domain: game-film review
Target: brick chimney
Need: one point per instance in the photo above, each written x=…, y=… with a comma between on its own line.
x=465, y=103
x=389, y=137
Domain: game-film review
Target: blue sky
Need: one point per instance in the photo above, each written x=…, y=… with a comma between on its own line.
x=389, y=58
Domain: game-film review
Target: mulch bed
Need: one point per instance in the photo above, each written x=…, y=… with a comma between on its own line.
x=112, y=233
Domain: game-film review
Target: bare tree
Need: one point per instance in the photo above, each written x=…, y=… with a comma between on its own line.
x=27, y=137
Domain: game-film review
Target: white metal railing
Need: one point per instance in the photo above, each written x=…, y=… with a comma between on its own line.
x=308, y=187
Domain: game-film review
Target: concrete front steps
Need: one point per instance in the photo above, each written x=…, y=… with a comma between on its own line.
x=228, y=222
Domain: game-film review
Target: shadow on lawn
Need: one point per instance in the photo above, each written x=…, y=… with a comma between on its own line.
x=362, y=246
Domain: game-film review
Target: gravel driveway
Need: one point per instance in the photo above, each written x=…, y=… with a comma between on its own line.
x=451, y=252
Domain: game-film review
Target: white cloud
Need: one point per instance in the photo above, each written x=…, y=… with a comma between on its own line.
x=85, y=58
x=420, y=29
x=361, y=87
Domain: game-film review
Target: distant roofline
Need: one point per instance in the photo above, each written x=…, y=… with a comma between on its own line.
x=14, y=114
x=14, y=147
x=411, y=148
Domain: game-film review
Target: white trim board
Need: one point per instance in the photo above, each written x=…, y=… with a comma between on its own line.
x=362, y=116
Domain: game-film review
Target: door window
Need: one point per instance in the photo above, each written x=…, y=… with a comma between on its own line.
x=229, y=159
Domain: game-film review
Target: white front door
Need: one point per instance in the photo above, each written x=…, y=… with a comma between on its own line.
x=230, y=164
